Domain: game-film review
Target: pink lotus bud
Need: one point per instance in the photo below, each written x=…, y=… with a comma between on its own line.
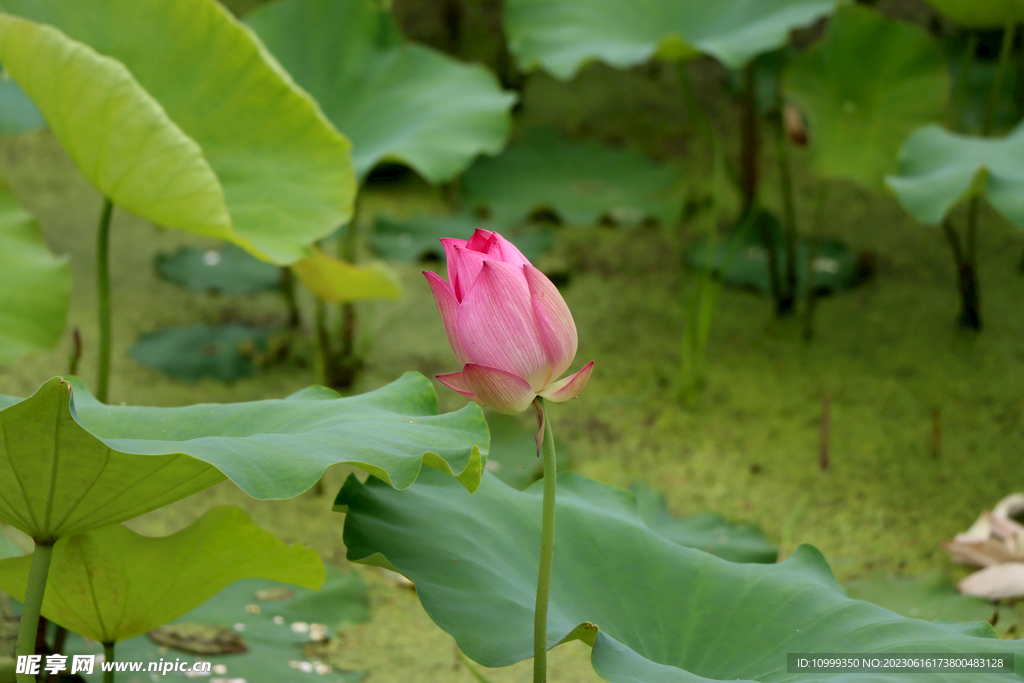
x=507, y=324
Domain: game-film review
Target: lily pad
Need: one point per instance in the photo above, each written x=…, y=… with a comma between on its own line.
x=224, y=352
x=273, y=632
x=35, y=285
x=653, y=610
x=196, y=128
x=932, y=596
x=581, y=182
x=865, y=87
x=513, y=455
x=418, y=238
x=71, y=464
x=561, y=36
x=707, y=532
x=332, y=279
x=112, y=584
x=939, y=169
x=229, y=270
x=987, y=14
x=397, y=101
x=17, y=113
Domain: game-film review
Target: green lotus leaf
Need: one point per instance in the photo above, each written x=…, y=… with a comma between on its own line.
x=261, y=615
x=176, y=113
x=70, y=466
x=112, y=584
x=332, y=279
x=35, y=285
x=652, y=609
x=418, y=238
x=17, y=113
x=225, y=352
x=396, y=101
x=865, y=87
x=938, y=169
x=985, y=14
x=560, y=36
x=579, y=181
x=228, y=270
x=707, y=532
x=513, y=453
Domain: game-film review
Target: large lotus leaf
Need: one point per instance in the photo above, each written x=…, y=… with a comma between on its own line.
x=67, y=467
x=396, y=101
x=580, y=181
x=653, y=610
x=864, y=87
x=983, y=14
x=939, y=169
x=176, y=112
x=272, y=620
x=112, y=584
x=35, y=285
x=332, y=279
x=229, y=270
x=225, y=352
x=560, y=36
x=17, y=113
x=418, y=238
x=707, y=532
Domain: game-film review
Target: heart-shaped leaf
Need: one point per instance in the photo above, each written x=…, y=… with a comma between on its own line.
x=987, y=14
x=229, y=270
x=939, y=169
x=561, y=36
x=69, y=467
x=865, y=86
x=176, y=113
x=112, y=584
x=332, y=279
x=35, y=285
x=652, y=609
x=580, y=181
x=17, y=113
x=418, y=238
x=396, y=101
x=225, y=352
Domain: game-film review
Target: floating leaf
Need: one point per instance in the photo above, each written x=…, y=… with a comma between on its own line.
x=561, y=36
x=112, y=584
x=418, y=238
x=865, y=86
x=68, y=467
x=939, y=169
x=580, y=181
x=175, y=112
x=35, y=285
x=513, y=453
x=396, y=101
x=225, y=352
x=228, y=270
x=332, y=279
x=707, y=532
x=986, y=14
x=271, y=631
x=652, y=609
x=17, y=113
x=931, y=596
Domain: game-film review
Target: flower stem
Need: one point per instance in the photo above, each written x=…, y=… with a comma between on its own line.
x=547, y=548
x=33, y=604
x=108, y=656
x=103, y=299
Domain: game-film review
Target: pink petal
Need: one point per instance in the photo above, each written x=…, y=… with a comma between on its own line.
x=456, y=381
x=498, y=390
x=464, y=267
x=568, y=388
x=450, y=244
x=448, y=307
x=497, y=325
x=478, y=242
x=500, y=249
x=557, y=329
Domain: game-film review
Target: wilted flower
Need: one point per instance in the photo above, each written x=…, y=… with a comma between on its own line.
x=507, y=325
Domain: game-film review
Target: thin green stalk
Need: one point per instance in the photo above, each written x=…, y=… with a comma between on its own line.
x=787, y=300
x=997, y=84
x=816, y=229
x=473, y=671
x=108, y=656
x=33, y=604
x=547, y=547
x=103, y=299
x=323, y=343
x=960, y=97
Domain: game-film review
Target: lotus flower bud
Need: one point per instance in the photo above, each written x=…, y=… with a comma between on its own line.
x=507, y=324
